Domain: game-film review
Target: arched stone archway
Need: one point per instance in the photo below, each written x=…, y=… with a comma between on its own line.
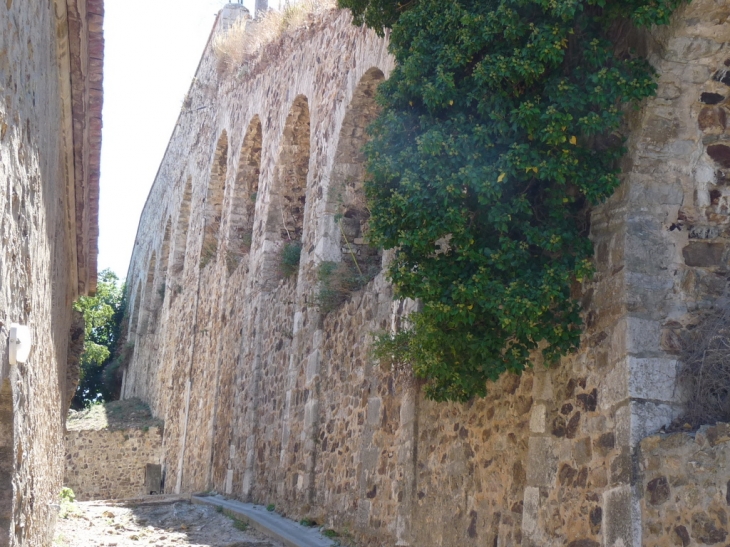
x=165, y=252
x=349, y=260
x=148, y=296
x=214, y=201
x=285, y=216
x=134, y=318
x=245, y=194
x=180, y=241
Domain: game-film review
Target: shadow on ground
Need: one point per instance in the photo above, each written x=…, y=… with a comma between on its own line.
x=102, y=524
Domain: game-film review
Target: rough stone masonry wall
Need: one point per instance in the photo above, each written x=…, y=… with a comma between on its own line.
x=48, y=167
x=110, y=463
x=685, y=484
x=266, y=397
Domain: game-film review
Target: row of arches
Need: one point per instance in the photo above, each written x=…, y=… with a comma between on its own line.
x=345, y=205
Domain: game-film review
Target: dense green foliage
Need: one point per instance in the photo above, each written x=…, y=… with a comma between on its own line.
x=103, y=314
x=499, y=131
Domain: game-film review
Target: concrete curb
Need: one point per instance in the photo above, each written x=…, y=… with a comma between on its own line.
x=287, y=531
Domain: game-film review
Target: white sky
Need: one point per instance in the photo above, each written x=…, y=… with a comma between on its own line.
x=151, y=52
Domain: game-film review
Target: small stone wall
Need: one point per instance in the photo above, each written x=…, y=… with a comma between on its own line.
x=685, y=500
x=110, y=464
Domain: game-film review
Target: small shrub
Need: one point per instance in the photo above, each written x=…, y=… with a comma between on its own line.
x=247, y=239
x=307, y=522
x=207, y=253
x=330, y=533
x=338, y=280
x=240, y=525
x=703, y=379
x=289, y=258
x=270, y=507
x=67, y=499
x=67, y=494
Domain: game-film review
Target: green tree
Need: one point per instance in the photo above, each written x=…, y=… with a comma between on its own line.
x=498, y=132
x=377, y=14
x=103, y=315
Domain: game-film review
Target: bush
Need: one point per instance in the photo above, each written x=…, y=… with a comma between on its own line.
x=498, y=133
x=703, y=379
x=291, y=251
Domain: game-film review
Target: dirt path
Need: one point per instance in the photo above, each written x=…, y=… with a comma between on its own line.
x=94, y=524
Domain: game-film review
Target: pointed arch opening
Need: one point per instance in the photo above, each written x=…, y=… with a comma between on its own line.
x=352, y=261
x=180, y=241
x=214, y=201
x=245, y=194
x=165, y=254
x=148, y=296
x=134, y=318
x=285, y=218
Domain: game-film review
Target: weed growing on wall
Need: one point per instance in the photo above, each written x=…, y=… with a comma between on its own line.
x=207, y=253
x=338, y=280
x=245, y=39
x=498, y=132
x=703, y=379
x=289, y=258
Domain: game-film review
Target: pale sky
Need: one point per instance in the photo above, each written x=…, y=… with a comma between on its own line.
x=151, y=53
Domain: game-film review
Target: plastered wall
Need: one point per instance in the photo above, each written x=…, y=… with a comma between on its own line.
x=265, y=397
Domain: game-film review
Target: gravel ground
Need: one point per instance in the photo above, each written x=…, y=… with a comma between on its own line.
x=95, y=524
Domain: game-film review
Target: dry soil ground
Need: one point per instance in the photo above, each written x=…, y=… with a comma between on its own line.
x=97, y=524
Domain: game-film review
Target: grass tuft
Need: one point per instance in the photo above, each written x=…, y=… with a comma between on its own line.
x=241, y=44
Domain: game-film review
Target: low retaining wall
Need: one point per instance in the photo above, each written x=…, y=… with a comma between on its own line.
x=111, y=464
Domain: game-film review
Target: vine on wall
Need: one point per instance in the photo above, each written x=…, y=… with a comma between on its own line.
x=499, y=131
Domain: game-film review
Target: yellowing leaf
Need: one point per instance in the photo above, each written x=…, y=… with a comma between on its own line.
x=500, y=178
x=451, y=102
x=573, y=140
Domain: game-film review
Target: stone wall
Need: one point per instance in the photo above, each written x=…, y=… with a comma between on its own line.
x=49, y=149
x=270, y=396
x=111, y=463
x=684, y=488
